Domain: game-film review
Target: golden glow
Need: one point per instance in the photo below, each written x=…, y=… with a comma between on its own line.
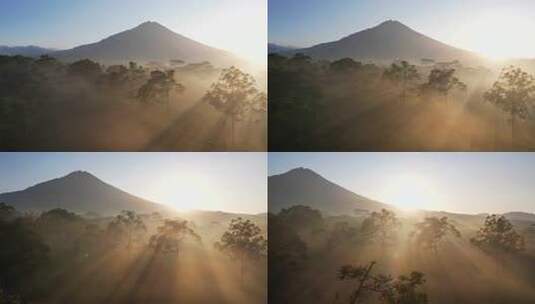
x=187, y=191
x=498, y=35
x=409, y=192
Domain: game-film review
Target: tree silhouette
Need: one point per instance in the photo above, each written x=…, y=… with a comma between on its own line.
x=22, y=253
x=159, y=87
x=86, y=69
x=498, y=236
x=345, y=65
x=127, y=226
x=242, y=241
x=430, y=233
x=236, y=96
x=169, y=237
x=7, y=212
x=403, y=290
x=442, y=81
x=513, y=93
x=403, y=74
x=381, y=226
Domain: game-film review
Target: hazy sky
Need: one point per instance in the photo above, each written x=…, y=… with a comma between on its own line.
x=455, y=182
x=496, y=28
x=233, y=182
x=239, y=26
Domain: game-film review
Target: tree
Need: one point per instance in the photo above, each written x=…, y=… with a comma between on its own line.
x=513, y=93
x=169, y=237
x=7, y=212
x=22, y=253
x=432, y=231
x=381, y=226
x=159, y=87
x=345, y=65
x=127, y=225
x=442, y=81
x=243, y=241
x=304, y=218
x=86, y=69
x=403, y=290
x=403, y=74
x=498, y=236
x=236, y=96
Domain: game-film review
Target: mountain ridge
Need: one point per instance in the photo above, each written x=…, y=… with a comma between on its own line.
x=303, y=186
x=390, y=40
x=78, y=191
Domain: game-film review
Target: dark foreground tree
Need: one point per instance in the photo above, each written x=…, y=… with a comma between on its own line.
x=236, y=96
x=243, y=241
x=442, y=81
x=169, y=237
x=513, y=93
x=22, y=252
x=432, y=231
x=403, y=290
x=404, y=75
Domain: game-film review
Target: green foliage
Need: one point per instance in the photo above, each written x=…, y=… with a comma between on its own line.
x=86, y=69
x=169, y=237
x=432, y=231
x=498, y=236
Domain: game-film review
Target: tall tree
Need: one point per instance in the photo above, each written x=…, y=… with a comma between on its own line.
x=403, y=74
x=432, y=231
x=236, y=96
x=498, y=236
x=169, y=237
x=381, y=226
x=513, y=93
x=159, y=87
x=129, y=226
x=442, y=81
x=243, y=241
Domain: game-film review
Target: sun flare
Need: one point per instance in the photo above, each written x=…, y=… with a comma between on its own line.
x=498, y=35
x=410, y=192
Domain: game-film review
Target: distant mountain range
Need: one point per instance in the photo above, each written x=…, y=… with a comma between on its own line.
x=28, y=51
x=80, y=192
x=148, y=42
x=275, y=48
x=389, y=41
x=303, y=186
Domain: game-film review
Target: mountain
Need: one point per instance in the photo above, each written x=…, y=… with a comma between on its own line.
x=148, y=42
x=275, y=48
x=303, y=186
x=389, y=41
x=80, y=192
x=29, y=51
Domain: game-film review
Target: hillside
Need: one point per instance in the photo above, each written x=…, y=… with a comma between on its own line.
x=148, y=42
x=389, y=41
x=303, y=186
x=80, y=192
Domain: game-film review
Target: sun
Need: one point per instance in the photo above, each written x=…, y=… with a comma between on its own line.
x=498, y=35
x=409, y=191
